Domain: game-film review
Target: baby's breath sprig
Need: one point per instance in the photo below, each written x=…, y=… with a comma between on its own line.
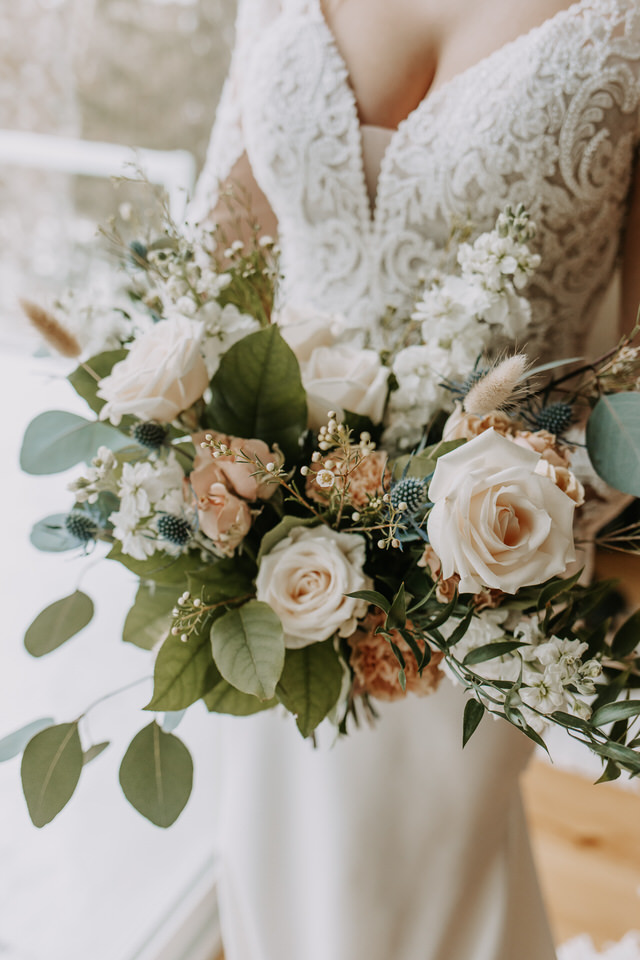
x=189, y=612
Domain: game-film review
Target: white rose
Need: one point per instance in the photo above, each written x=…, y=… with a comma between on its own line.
x=304, y=579
x=335, y=376
x=163, y=374
x=496, y=522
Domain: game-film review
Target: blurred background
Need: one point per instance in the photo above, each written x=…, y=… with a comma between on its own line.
x=82, y=82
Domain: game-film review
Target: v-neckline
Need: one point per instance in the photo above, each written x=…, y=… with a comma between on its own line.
x=433, y=94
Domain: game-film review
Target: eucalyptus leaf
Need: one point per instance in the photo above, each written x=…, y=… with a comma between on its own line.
x=51, y=768
x=172, y=720
x=92, y=752
x=613, y=441
x=310, y=684
x=489, y=651
x=149, y=618
x=51, y=535
x=257, y=392
x=57, y=623
x=248, y=648
x=183, y=672
x=156, y=775
x=56, y=440
x=226, y=699
x=611, y=712
x=473, y=714
x=14, y=743
x=627, y=638
x=159, y=567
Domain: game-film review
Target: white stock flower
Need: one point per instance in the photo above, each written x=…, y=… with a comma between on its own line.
x=223, y=326
x=163, y=374
x=136, y=542
x=305, y=579
x=495, y=521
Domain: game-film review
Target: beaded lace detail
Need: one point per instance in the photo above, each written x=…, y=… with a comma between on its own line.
x=550, y=119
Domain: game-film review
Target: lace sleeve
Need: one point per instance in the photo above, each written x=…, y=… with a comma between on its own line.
x=226, y=145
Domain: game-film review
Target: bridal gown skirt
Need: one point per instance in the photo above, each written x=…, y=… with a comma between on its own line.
x=394, y=844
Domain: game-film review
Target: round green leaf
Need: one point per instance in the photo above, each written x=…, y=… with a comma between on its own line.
x=57, y=623
x=14, y=743
x=257, y=392
x=149, y=618
x=51, y=767
x=156, y=775
x=57, y=440
x=310, y=684
x=51, y=535
x=183, y=672
x=613, y=441
x=248, y=648
x=226, y=699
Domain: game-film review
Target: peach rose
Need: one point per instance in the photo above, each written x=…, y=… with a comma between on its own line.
x=223, y=517
x=236, y=474
x=365, y=480
x=163, y=374
x=466, y=426
x=564, y=479
x=376, y=668
x=495, y=521
x=544, y=443
x=446, y=589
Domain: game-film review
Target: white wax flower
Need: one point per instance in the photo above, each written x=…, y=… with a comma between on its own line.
x=163, y=374
x=305, y=579
x=495, y=521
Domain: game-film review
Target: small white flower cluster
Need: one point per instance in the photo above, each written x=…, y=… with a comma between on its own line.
x=223, y=326
x=100, y=317
x=98, y=477
x=146, y=490
x=550, y=665
x=460, y=317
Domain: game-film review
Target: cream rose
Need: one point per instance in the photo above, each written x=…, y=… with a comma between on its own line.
x=163, y=374
x=305, y=579
x=495, y=521
x=335, y=376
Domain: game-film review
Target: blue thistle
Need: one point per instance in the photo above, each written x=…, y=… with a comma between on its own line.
x=150, y=435
x=174, y=529
x=410, y=490
x=80, y=526
x=555, y=418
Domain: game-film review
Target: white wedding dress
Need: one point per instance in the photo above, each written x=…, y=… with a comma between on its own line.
x=394, y=844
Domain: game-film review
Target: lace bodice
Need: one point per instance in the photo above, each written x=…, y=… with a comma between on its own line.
x=550, y=120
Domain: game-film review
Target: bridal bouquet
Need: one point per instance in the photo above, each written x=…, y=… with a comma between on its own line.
x=323, y=518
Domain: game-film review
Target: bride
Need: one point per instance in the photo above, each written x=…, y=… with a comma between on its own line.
x=364, y=130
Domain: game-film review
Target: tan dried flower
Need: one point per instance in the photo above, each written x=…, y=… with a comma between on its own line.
x=497, y=387
x=51, y=330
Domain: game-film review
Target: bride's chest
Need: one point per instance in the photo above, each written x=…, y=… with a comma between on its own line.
x=555, y=109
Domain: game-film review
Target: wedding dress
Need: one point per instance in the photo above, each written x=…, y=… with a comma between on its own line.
x=393, y=844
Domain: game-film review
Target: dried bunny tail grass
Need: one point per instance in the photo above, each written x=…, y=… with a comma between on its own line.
x=497, y=388
x=51, y=329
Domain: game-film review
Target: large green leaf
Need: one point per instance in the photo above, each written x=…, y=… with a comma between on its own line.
x=57, y=440
x=159, y=567
x=226, y=699
x=248, y=648
x=612, y=712
x=310, y=684
x=14, y=743
x=627, y=637
x=85, y=383
x=257, y=392
x=226, y=579
x=613, y=441
x=156, y=775
x=57, y=623
x=183, y=672
x=51, y=768
x=149, y=618
x=52, y=536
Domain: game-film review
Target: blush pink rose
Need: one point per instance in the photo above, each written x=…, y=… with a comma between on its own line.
x=236, y=474
x=223, y=517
